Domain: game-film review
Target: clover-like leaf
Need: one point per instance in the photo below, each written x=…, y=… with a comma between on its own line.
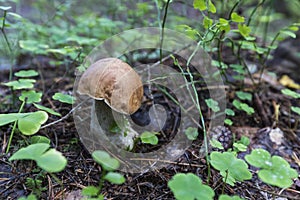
x=226, y=162
x=224, y=25
x=64, y=98
x=105, y=160
x=149, y=138
x=26, y=73
x=189, y=187
x=237, y=18
x=90, y=191
x=39, y=139
x=244, y=95
x=200, y=4
x=211, y=7
x=212, y=104
x=243, y=106
x=30, y=152
x=51, y=161
x=31, y=122
x=10, y=117
x=295, y=109
x=21, y=84
x=191, y=133
x=31, y=96
x=207, y=22
x=290, y=93
x=115, y=178
x=48, y=110
x=229, y=112
x=274, y=170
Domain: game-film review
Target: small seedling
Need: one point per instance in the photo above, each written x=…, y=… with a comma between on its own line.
x=189, y=187
x=191, y=133
x=30, y=197
x=212, y=104
x=231, y=168
x=109, y=165
x=149, y=138
x=274, y=170
x=243, y=106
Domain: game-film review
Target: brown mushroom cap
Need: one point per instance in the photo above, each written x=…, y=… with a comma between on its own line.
x=114, y=81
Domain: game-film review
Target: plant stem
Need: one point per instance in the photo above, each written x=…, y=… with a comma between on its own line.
x=101, y=181
x=14, y=127
x=225, y=182
x=162, y=30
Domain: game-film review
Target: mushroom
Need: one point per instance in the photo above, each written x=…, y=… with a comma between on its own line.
x=115, y=82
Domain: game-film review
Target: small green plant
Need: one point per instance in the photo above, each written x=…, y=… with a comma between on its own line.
x=191, y=133
x=30, y=197
x=295, y=95
x=273, y=170
x=47, y=159
x=148, y=137
x=226, y=197
x=231, y=168
x=35, y=185
x=189, y=187
x=109, y=165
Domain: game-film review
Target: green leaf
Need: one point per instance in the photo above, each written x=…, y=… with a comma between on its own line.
x=200, y=4
x=33, y=46
x=64, y=98
x=30, y=152
x=52, y=161
x=228, y=122
x=211, y=7
x=48, y=110
x=21, y=84
x=289, y=33
x=244, y=95
x=189, y=187
x=207, y=22
x=243, y=106
x=149, y=138
x=259, y=158
x=290, y=93
x=244, y=140
x=10, y=117
x=240, y=147
x=31, y=96
x=229, y=112
x=5, y=8
x=31, y=122
x=226, y=197
x=191, y=133
x=30, y=197
x=274, y=170
x=295, y=109
x=39, y=139
x=224, y=25
x=26, y=73
x=237, y=18
x=105, y=160
x=114, y=178
x=244, y=30
x=212, y=104
x=226, y=162
x=216, y=144
x=90, y=191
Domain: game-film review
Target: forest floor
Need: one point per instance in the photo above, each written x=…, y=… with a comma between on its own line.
x=82, y=171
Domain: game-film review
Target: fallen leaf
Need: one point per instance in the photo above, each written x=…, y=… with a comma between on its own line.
x=288, y=82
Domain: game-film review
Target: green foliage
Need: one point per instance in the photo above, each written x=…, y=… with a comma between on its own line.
x=231, y=168
x=189, y=187
x=50, y=161
x=30, y=197
x=48, y=110
x=243, y=106
x=149, y=138
x=30, y=96
x=226, y=197
x=244, y=95
x=290, y=93
x=21, y=84
x=114, y=178
x=105, y=160
x=28, y=123
x=274, y=170
x=35, y=185
x=64, y=98
x=216, y=144
x=191, y=133
x=295, y=109
x=212, y=104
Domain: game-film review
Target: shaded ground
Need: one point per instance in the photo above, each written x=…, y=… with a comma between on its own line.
x=82, y=171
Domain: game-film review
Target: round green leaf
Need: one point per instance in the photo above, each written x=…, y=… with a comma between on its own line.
x=30, y=152
x=189, y=187
x=259, y=158
x=149, y=138
x=31, y=122
x=90, y=191
x=105, y=160
x=191, y=133
x=226, y=197
x=52, y=161
x=26, y=73
x=114, y=178
x=212, y=104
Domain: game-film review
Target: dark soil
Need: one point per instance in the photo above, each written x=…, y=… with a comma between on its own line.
x=82, y=171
